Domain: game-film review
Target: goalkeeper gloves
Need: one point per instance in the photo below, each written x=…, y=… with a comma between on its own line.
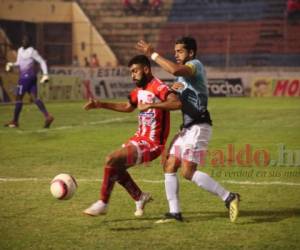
x=8, y=66
x=44, y=79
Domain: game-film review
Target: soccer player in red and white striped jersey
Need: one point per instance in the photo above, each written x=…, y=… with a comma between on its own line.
x=146, y=144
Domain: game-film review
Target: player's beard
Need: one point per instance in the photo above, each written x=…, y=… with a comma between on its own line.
x=185, y=60
x=142, y=82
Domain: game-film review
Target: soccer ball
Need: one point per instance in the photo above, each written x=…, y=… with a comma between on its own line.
x=63, y=186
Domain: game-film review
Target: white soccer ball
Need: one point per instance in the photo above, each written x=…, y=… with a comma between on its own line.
x=63, y=186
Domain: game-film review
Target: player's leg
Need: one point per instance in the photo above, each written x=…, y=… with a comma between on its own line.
x=195, y=143
x=39, y=103
x=120, y=160
x=196, y=140
x=20, y=91
x=115, y=169
x=146, y=151
x=172, y=190
x=204, y=181
x=171, y=166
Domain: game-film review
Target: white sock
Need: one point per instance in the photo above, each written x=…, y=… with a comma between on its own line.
x=172, y=191
x=139, y=203
x=209, y=184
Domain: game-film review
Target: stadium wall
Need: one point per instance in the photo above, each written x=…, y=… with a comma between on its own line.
x=86, y=40
x=79, y=83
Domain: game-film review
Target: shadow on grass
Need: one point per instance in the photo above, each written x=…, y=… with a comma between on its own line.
x=119, y=229
x=131, y=219
x=256, y=216
x=269, y=216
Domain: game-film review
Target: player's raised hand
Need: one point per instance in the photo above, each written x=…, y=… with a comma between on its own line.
x=143, y=106
x=92, y=104
x=145, y=48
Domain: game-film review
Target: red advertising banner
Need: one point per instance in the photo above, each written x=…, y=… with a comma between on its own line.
x=287, y=87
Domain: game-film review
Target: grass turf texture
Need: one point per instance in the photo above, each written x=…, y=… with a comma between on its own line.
x=77, y=143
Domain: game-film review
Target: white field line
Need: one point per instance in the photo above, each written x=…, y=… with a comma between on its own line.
x=116, y=119
x=250, y=183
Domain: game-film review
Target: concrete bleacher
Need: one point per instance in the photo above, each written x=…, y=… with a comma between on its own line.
x=235, y=32
x=196, y=11
x=231, y=32
x=122, y=30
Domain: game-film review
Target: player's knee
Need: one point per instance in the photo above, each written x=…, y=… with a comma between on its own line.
x=110, y=160
x=171, y=165
x=187, y=173
x=170, y=168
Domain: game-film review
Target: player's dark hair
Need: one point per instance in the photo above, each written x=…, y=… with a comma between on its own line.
x=189, y=43
x=139, y=59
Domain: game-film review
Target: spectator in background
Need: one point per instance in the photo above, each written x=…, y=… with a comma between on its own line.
x=94, y=61
x=128, y=7
x=86, y=62
x=75, y=61
x=144, y=5
x=293, y=10
x=155, y=6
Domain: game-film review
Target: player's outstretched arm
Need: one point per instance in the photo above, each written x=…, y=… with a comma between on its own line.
x=120, y=107
x=91, y=104
x=167, y=65
x=172, y=103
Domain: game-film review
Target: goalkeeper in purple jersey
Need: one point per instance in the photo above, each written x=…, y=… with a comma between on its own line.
x=26, y=58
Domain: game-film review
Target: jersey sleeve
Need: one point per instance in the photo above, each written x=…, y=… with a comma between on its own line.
x=193, y=66
x=17, y=62
x=161, y=90
x=132, y=97
x=36, y=56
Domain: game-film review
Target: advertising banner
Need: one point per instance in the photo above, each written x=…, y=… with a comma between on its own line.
x=287, y=87
x=226, y=87
x=267, y=86
x=102, y=82
x=61, y=88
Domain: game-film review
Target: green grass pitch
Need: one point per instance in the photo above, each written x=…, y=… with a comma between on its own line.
x=77, y=143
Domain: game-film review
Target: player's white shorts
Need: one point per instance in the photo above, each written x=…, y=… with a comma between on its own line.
x=191, y=143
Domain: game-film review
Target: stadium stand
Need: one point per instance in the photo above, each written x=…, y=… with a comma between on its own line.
x=229, y=32
x=56, y=41
x=235, y=32
x=120, y=30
